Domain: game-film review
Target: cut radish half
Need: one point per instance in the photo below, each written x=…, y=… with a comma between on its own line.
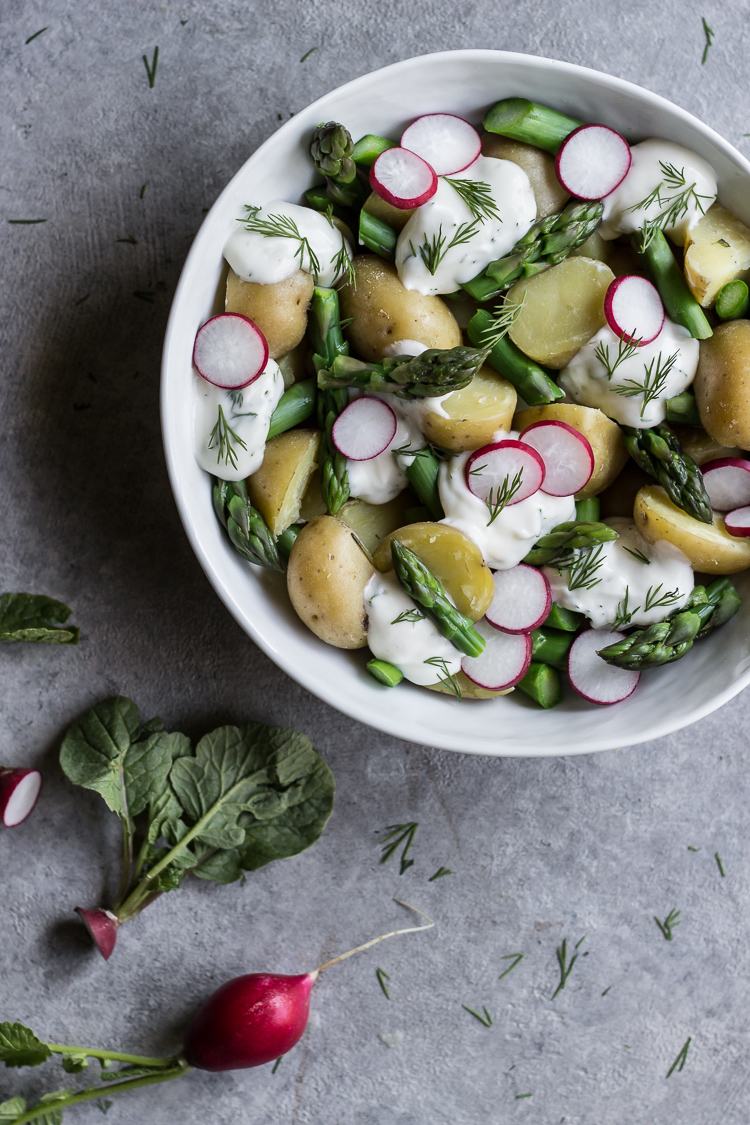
x=19, y=790
x=591, y=676
x=727, y=481
x=102, y=925
x=738, y=522
x=402, y=178
x=522, y=599
x=592, y=161
x=448, y=143
x=364, y=429
x=567, y=455
x=495, y=469
x=634, y=310
x=503, y=663
x=230, y=351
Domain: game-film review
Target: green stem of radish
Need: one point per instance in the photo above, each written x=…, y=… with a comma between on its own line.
x=92, y=1093
x=113, y=1056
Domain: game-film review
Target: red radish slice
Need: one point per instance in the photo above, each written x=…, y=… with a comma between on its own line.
x=364, y=429
x=230, y=351
x=522, y=599
x=634, y=310
x=402, y=178
x=448, y=143
x=102, y=925
x=19, y=790
x=727, y=481
x=738, y=522
x=592, y=161
x=591, y=676
x=494, y=467
x=567, y=455
x=503, y=663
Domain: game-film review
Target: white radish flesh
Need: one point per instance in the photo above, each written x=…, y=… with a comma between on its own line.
x=19, y=790
x=522, y=599
x=230, y=351
x=592, y=161
x=567, y=455
x=591, y=676
x=727, y=481
x=738, y=522
x=402, y=178
x=634, y=310
x=448, y=143
x=103, y=926
x=495, y=469
x=364, y=429
x=503, y=663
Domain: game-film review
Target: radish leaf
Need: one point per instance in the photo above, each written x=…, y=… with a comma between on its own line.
x=19, y=1046
x=9, y=1111
x=35, y=617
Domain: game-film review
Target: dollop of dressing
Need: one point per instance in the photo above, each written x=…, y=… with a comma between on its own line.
x=446, y=215
x=230, y=428
x=660, y=164
x=310, y=243
x=587, y=381
x=407, y=644
x=663, y=583
x=381, y=478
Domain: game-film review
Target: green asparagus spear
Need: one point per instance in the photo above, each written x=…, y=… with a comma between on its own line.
x=566, y=619
x=435, y=372
x=669, y=279
x=326, y=337
x=423, y=587
x=659, y=453
x=295, y=405
x=368, y=148
x=683, y=409
x=569, y=537
x=377, y=236
x=331, y=151
x=287, y=539
x=530, y=380
x=732, y=301
x=551, y=646
x=588, y=511
x=542, y=683
x=422, y=475
x=534, y=124
x=245, y=526
x=385, y=672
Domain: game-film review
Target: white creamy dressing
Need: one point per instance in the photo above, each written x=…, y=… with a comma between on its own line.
x=268, y=259
x=381, y=478
x=442, y=215
x=247, y=413
x=622, y=573
x=586, y=382
x=621, y=213
x=407, y=644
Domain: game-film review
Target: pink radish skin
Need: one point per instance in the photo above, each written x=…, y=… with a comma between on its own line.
x=592, y=161
x=19, y=792
x=230, y=351
x=488, y=468
x=738, y=522
x=522, y=599
x=364, y=429
x=448, y=143
x=103, y=926
x=403, y=179
x=567, y=455
x=503, y=663
x=592, y=677
x=727, y=481
x=634, y=310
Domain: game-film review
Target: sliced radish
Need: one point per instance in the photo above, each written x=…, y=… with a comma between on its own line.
x=19, y=790
x=497, y=467
x=591, y=676
x=503, y=663
x=727, y=481
x=738, y=522
x=102, y=925
x=402, y=178
x=634, y=310
x=592, y=161
x=364, y=429
x=522, y=599
x=567, y=455
x=230, y=351
x=448, y=143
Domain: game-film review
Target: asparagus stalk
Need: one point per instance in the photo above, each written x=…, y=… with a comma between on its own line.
x=422, y=475
x=542, y=683
x=385, y=672
x=368, y=148
x=377, y=236
x=565, y=537
x=247, y=530
x=326, y=337
x=295, y=405
x=530, y=380
x=588, y=511
x=423, y=587
x=669, y=279
x=732, y=301
x=287, y=539
x=683, y=409
x=331, y=151
x=435, y=372
x=566, y=619
x=534, y=124
x=659, y=453
x=551, y=646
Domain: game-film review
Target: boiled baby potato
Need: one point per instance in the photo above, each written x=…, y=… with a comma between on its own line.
x=452, y=557
x=722, y=384
x=372, y=522
x=594, y=247
x=562, y=309
x=539, y=166
x=618, y=498
x=701, y=446
x=277, y=487
x=312, y=503
x=293, y=365
x=709, y=547
x=474, y=413
x=603, y=435
x=717, y=251
x=279, y=310
x=326, y=580
x=468, y=689
x=383, y=312
x=394, y=216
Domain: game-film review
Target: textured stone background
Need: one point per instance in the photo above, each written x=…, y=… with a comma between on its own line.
x=541, y=850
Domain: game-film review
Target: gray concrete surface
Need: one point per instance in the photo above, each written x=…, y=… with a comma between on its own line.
x=541, y=850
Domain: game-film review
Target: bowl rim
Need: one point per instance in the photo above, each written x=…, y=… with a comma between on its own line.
x=379, y=718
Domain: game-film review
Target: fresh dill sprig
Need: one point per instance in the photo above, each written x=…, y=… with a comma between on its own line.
x=582, y=567
x=681, y=1059
x=707, y=31
x=486, y=1019
x=283, y=226
x=519, y=1096
x=433, y=250
x=277, y=1064
x=143, y=190
x=637, y=555
x=342, y=265
x=477, y=196
x=690, y=848
x=407, y=450
x=517, y=958
x=43, y=29
x=626, y=347
x=222, y=435
x=606, y=990
x=439, y=874
x=657, y=372
x=129, y=238
x=151, y=70
x=398, y=834
x=501, y=323
x=566, y=967
x=25, y=222
x=307, y=54
x=673, y=196
x=669, y=923
x=720, y=865
x=623, y=615
x=382, y=976
x=237, y=399
x=81, y=299
x=499, y=497
x=448, y=678
x=655, y=601
x=408, y=615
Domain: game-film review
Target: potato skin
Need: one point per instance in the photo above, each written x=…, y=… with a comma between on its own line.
x=279, y=310
x=474, y=413
x=395, y=217
x=278, y=486
x=604, y=437
x=701, y=446
x=384, y=312
x=326, y=580
x=539, y=166
x=709, y=547
x=722, y=384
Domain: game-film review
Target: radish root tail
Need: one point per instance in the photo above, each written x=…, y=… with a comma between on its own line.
x=382, y=937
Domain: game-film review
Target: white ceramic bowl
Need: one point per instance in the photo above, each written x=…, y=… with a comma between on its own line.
x=466, y=83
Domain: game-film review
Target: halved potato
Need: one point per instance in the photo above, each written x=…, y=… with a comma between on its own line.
x=603, y=435
x=371, y=523
x=539, y=166
x=722, y=384
x=278, y=486
x=594, y=247
x=386, y=212
x=474, y=413
x=293, y=365
x=618, y=498
x=709, y=547
x=279, y=310
x=717, y=251
x=701, y=446
x=468, y=689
